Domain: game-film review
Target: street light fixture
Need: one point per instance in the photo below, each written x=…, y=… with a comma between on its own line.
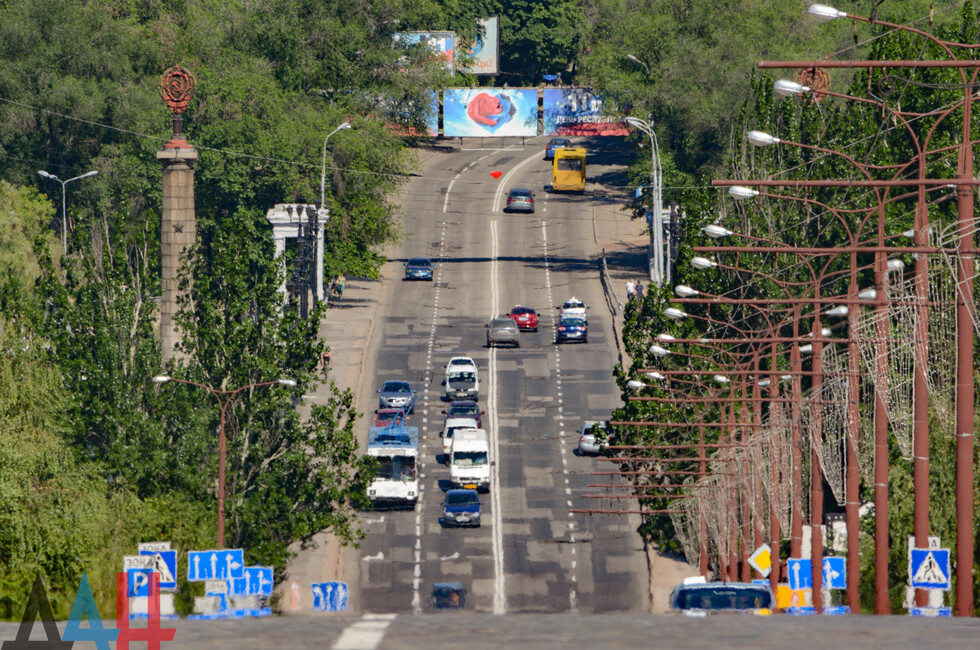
x=64, y=213
x=323, y=168
x=824, y=13
x=761, y=138
x=684, y=291
x=673, y=313
x=702, y=263
x=739, y=192
x=636, y=60
x=715, y=231
x=656, y=201
x=229, y=396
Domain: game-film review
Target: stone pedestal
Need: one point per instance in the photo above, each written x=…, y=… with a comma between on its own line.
x=178, y=232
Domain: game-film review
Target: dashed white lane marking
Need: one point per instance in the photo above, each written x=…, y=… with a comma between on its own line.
x=365, y=634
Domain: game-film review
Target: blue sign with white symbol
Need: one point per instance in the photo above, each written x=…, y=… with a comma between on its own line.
x=801, y=611
x=834, y=573
x=257, y=581
x=330, y=596
x=841, y=610
x=800, y=574
x=929, y=568
x=226, y=564
x=166, y=566
x=139, y=582
x=931, y=611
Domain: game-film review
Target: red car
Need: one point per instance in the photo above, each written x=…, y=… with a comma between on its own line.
x=526, y=318
x=384, y=417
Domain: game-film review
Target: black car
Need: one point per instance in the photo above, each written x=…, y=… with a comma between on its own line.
x=572, y=329
x=520, y=200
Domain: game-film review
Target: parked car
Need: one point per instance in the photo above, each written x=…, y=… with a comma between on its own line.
x=503, y=331
x=525, y=317
x=452, y=425
x=698, y=598
x=461, y=508
x=384, y=417
x=592, y=439
x=553, y=144
x=520, y=200
x=572, y=329
x=396, y=394
x=462, y=379
x=418, y=268
x=464, y=408
x=575, y=308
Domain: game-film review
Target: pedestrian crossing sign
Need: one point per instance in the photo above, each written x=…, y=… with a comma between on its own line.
x=929, y=568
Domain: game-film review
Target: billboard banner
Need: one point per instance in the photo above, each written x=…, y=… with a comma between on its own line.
x=442, y=44
x=485, y=112
x=576, y=111
x=486, y=50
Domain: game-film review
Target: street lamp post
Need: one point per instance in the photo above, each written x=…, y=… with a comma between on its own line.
x=224, y=398
x=323, y=167
x=64, y=214
x=656, y=201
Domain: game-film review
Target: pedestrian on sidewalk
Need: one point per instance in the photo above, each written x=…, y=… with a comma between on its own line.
x=630, y=289
x=325, y=362
x=639, y=291
x=340, y=285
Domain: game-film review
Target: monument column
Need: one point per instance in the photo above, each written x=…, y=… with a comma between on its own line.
x=178, y=220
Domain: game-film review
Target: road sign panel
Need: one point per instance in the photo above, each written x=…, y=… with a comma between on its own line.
x=330, y=596
x=840, y=610
x=929, y=568
x=761, y=560
x=153, y=546
x=139, y=582
x=801, y=611
x=138, y=562
x=931, y=611
x=800, y=573
x=834, y=573
x=257, y=581
x=165, y=563
x=224, y=564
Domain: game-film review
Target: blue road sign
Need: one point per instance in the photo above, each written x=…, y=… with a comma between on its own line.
x=330, y=596
x=257, y=581
x=834, y=573
x=139, y=582
x=841, y=610
x=931, y=611
x=929, y=568
x=226, y=564
x=801, y=611
x=166, y=567
x=800, y=573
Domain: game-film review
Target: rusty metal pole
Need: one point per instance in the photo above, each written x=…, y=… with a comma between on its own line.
x=796, y=471
x=746, y=489
x=774, y=532
x=852, y=477
x=882, y=460
x=703, y=518
x=816, y=476
x=964, y=370
x=733, y=510
x=920, y=417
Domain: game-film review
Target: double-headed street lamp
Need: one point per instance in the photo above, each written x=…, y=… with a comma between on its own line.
x=224, y=397
x=656, y=201
x=64, y=214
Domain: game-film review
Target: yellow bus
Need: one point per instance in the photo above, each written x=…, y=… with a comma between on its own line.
x=568, y=171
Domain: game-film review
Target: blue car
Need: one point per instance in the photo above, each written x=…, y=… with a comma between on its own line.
x=461, y=508
x=572, y=329
x=556, y=143
x=418, y=268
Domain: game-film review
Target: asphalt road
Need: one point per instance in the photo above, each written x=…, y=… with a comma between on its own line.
x=531, y=554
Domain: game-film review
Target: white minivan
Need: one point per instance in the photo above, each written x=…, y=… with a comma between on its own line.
x=469, y=460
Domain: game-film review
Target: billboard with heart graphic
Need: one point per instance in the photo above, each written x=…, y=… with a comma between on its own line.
x=486, y=112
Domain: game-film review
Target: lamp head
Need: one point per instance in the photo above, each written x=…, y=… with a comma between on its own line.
x=761, y=138
x=738, y=192
x=685, y=291
x=656, y=376
x=715, y=231
x=721, y=379
x=634, y=384
x=824, y=13
x=658, y=351
x=160, y=379
x=673, y=313
x=788, y=88
x=288, y=382
x=703, y=263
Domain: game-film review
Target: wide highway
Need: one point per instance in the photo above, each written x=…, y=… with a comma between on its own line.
x=532, y=554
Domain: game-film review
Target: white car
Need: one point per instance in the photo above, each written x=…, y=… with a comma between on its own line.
x=452, y=426
x=574, y=308
x=587, y=443
x=462, y=379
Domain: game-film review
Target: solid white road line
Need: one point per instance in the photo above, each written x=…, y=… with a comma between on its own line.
x=496, y=528
x=505, y=178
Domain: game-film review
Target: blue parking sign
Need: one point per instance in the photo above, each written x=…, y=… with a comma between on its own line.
x=139, y=582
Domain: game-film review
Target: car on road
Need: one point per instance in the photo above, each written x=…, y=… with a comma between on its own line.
x=447, y=595
x=396, y=394
x=593, y=437
x=384, y=417
x=462, y=379
x=418, y=268
x=698, y=598
x=555, y=144
x=464, y=408
x=572, y=329
x=520, y=200
x=503, y=331
x=575, y=308
x=449, y=429
x=525, y=317
x=461, y=508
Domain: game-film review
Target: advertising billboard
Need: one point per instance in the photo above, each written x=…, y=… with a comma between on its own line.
x=486, y=50
x=485, y=112
x=442, y=44
x=576, y=111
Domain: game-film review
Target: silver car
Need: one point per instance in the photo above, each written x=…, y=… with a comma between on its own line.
x=587, y=443
x=503, y=331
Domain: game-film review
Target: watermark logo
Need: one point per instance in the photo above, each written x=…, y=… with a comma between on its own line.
x=38, y=607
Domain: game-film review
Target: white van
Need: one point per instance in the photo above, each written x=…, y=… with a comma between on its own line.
x=452, y=426
x=469, y=460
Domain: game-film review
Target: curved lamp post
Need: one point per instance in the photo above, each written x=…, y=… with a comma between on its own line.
x=323, y=168
x=64, y=213
x=656, y=201
x=224, y=398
